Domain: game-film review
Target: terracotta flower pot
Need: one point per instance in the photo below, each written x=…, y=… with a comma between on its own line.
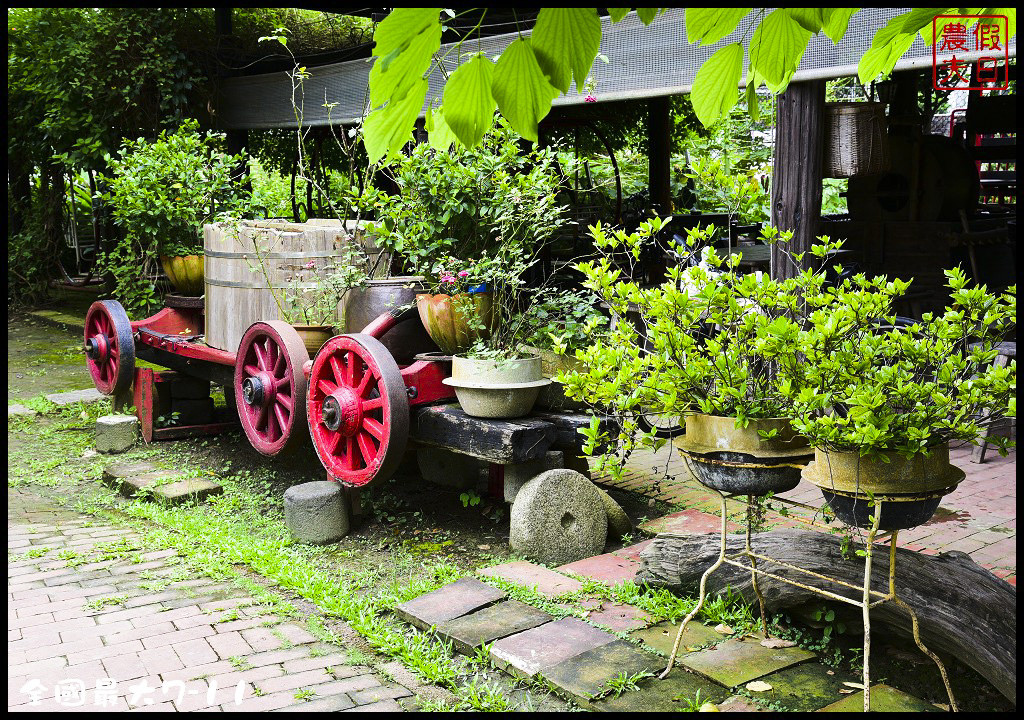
x=314, y=336
x=738, y=460
x=908, y=489
x=454, y=323
x=185, y=273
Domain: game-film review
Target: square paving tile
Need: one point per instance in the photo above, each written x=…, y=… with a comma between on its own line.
x=491, y=623
x=547, y=582
x=883, y=699
x=633, y=551
x=619, y=617
x=611, y=569
x=535, y=651
x=661, y=636
x=668, y=695
x=451, y=601
x=587, y=674
x=735, y=662
x=806, y=687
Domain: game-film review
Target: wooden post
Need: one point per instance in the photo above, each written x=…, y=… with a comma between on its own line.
x=796, y=176
x=659, y=174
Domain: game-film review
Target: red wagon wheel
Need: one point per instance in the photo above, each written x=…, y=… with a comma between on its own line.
x=109, y=347
x=270, y=387
x=358, y=409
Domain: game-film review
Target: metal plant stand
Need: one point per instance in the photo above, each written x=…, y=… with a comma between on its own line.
x=748, y=559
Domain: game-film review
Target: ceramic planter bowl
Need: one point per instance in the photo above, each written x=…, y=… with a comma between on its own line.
x=185, y=273
x=737, y=460
x=454, y=322
x=496, y=389
x=314, y=336
x=909, y=489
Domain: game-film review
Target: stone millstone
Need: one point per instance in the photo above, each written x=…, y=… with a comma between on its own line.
x=619, y=523
x=116, y=433
x=558, y=518
x=315, y=512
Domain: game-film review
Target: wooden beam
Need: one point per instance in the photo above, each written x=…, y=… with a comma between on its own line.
x=497, y=441
x=797, y=171
x=659, y=155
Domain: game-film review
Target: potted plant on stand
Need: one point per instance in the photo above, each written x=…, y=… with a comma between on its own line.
x=490, y=204
x=880, y=401
x=713, y=346
x=161, y=193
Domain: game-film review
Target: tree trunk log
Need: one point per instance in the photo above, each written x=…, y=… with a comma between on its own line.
x=963, y=609
x=796, y=174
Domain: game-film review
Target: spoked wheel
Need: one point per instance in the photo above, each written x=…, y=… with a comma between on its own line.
x=663, y=425
x=270, y=388
x=358, y=409
x=109, y=347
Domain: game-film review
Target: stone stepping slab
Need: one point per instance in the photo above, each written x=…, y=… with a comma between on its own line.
x=668, y=695
x=806, y=687
x=736, y=662
x=661, y=636
x=585, y=676
x=491, y=623
x=883, y=699
x=166, y=486
x=547, y=582
x=610, y=569
x=537, y=650
x=686, y=522
x=73, y=396
x=447, y=603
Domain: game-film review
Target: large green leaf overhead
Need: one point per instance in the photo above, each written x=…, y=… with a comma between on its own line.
x=405, y=44
x=468, y=102
x=717, y=82
x=709, y=25
x=776, y=48
x=522, y=90
x=566, y=41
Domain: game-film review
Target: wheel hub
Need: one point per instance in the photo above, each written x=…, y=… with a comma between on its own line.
x=257, y=390
x=342, y=412
x=97, y=347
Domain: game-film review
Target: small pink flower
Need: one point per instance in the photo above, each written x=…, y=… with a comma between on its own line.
x=590, y=98
x=310, y=265
x=447, y=278
x=463, y=273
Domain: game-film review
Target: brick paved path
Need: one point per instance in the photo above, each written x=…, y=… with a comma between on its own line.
x=978, y=518
x=133, y=634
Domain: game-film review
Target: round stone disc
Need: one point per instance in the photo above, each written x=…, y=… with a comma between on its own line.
x=558, y=517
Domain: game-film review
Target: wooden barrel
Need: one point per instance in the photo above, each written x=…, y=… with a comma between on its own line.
x=252, y=266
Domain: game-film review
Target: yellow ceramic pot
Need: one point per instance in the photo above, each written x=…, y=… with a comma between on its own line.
x=185, y=273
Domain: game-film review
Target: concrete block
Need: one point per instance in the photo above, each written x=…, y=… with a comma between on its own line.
x=116, y=433
x=315, y=512
x=447, y=468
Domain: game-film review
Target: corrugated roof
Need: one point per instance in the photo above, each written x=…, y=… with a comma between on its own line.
x=643, y=62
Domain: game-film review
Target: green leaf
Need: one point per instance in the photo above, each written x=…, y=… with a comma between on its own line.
x=523, y=93
x=776, y=48
x=617, y=14
x=753, y=106
x=810, y=19
x=565, y=42
x=404, y=44
x=835, y=21
x=715, y=87
x=887, y=47
x=647, y=15
x=468, y=103
x=709, y=25
x=388, y=128
x=439, y=135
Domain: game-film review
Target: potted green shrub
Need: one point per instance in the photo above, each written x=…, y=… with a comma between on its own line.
x=493, y=204
x=161, y=192
x=881, y=402
x=713, y=344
